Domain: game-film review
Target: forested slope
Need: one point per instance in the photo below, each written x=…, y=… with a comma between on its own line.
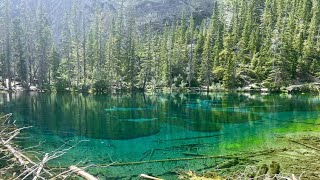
x=156, y=44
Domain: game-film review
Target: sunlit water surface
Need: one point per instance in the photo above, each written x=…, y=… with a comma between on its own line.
x=138, y=127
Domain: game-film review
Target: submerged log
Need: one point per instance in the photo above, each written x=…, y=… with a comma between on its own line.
x=262, y=171
x=149, y=177
x=16, y=154
x=190, y=138
x=234, y=156
x=306, y=145
x=301, y=122
x=274, y=169
x=41, y=165
x=300, y=143
x=227, y=164
x=192, y=154
x=82, y=173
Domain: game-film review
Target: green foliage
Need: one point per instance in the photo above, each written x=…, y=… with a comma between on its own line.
x=101, y=86
x=310, y=88
x=218, y=73
x=269, y=41
x=55, y=64
x=61, y=85
x=19, y=52
x=183, y=86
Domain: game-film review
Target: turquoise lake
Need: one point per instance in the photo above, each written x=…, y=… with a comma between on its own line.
x=137, y=127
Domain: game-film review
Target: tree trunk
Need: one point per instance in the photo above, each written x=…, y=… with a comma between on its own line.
x=191, y=62
x=84, y=52
x=8, y=46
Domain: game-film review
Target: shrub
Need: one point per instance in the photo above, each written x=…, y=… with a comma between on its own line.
x=183, y=86
x=61, y=85
x=101, y=86
x=218, y=73
x=310, y=88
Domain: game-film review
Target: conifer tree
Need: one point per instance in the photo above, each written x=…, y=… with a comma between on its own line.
x=164, y=57
x=190, y=40
x=309, y=62
x=7, y=63
x=55, y=64
x=145, y=73
x=43, y=46
x=227, y=56
x=265, y=41
x=67, y=48
x=19, y=52
x=131, y=56
x=199, y=50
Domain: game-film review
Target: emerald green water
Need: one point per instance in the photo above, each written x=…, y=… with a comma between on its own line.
x=137, y=127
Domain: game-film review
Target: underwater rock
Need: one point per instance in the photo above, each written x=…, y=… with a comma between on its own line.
x=263, y=170
x=211, y=175
x=274, y=169
x=252, y=88
x=250, y=172
x=33, y=88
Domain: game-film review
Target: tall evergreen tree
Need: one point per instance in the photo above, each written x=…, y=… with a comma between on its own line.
x=164, y=55
x=19, y=52
x=190, y=40
x=43, y=46
x=7, y=68
x=145, y=73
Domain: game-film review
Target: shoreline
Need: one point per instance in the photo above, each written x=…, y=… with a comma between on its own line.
x=252, y=88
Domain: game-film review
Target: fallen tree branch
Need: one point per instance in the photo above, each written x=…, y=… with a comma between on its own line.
x=16, y=154
x=5, y=117
x=45, y=159
x=82, y=173
x=21, y=163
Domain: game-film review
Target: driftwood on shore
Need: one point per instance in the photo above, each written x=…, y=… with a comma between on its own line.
x=19, y=165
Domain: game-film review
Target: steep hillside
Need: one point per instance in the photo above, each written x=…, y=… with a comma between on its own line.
x=158, y=11
x=144, y=11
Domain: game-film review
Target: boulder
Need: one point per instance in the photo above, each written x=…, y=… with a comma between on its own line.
x=18, y=88
x=294, y=88
x=274, y=169
x=33, y=88
x=255, y=87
